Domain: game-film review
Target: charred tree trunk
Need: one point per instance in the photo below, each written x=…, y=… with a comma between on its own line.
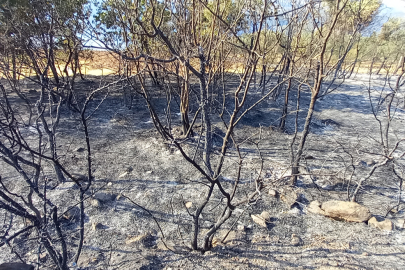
x=286, y=96
x=305, y=132
x=184, y=105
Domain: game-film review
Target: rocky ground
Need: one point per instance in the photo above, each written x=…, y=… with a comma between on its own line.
x=133, y=166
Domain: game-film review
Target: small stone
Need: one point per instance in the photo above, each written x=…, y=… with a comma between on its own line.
x=258, y=219
x=123, y=174
x=105, y=197
x=273, y=192
x=109, y=184
x=208, y=224
x=385, y=225
x=364, y=254
x=95, y=203
x=80, y=149
x=241, y=228
x=296, y=240
x=189, y=204
x=96, y=226
x=149, y=172
x=266, y=216
x=43, y=255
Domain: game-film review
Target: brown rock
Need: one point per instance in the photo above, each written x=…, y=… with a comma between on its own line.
x=16, y=266
x=385, y=225
x=348, y=211
x=315, y=207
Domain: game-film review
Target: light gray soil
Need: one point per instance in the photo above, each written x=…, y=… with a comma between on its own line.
x=162, y=181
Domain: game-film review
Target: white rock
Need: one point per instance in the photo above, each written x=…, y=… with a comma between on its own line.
x=272, y=192
x=241, y=228
x=189, y=204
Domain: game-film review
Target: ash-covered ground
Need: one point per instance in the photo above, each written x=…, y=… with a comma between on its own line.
x=131, y=160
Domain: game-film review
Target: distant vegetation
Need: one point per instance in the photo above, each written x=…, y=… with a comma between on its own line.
x=189, y=49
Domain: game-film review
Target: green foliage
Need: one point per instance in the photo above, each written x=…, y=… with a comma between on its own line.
x=393, y=30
